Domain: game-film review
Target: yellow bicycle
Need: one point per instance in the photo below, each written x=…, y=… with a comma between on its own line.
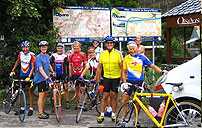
x=174, y=114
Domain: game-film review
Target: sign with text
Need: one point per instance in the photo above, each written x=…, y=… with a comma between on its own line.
x=132, y=22
x=76, y=22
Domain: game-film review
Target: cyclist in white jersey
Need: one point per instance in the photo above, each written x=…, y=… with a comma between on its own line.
x=59, y=62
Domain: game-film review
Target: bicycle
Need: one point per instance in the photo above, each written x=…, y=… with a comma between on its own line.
x=130, y=109
x=57, y=92
x=89, y=99
x=16, y=94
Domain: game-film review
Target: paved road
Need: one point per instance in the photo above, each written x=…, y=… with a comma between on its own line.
x=88, y=120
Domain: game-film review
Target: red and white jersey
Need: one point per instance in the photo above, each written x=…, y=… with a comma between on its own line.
x=26, y=60
x=77, y=61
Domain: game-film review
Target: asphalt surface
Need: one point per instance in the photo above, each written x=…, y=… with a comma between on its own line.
x=88, y=119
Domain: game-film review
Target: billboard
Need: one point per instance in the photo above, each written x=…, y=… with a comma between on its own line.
x=76, y=22
x=128, y=22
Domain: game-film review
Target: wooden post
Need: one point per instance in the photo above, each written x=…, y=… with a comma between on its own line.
x=184, y=42
x=168, y=46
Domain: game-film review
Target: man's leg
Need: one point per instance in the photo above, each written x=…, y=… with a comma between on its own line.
x=105, y=99
x=113, y=98
x=104, y=102
x=41, y=101
x=30, y=92
x=66, y=95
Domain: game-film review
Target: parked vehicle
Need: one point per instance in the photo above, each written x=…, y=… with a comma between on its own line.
x=189, y=74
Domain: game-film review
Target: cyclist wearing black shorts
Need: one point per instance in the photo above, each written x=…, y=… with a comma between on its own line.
x=110, y=62
x=59, y=63
x=26, y=60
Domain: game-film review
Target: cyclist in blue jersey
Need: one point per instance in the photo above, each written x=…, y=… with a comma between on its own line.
x=59, y=62
x=26, y=60
x=42, y=77
x=133, y=69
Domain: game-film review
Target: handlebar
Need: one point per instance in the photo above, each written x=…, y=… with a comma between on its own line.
x=18, y=80
x=126, y=86
x=87, y=82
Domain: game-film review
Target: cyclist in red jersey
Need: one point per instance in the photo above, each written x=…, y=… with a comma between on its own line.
x=77, y=61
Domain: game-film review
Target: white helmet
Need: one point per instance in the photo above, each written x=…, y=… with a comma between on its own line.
x=43, y=43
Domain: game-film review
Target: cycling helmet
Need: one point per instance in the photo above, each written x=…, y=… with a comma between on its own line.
x=108, y=38
x=60, y=45
x=43, y=43
x=25, y=44
x=131, y=43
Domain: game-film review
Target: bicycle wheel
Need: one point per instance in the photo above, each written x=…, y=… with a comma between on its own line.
x=125, y=116
x=81, y=107
x=58, y=107
x=191, y=112
x=7, y=102
x=22, y=105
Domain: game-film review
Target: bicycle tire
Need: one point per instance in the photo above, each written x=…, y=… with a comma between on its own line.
x=22, y=104
x=79, y=112
x=186, y=107
x=123, y=118
x=58, y=109
x=7, y=102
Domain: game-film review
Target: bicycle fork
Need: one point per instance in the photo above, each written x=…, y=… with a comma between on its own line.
x=180, y=113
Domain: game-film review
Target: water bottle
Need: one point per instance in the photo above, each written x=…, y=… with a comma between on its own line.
x=161, y=109
x=152, y=111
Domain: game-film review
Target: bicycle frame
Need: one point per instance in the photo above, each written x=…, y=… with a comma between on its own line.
x=145, y=109
x=58, y=91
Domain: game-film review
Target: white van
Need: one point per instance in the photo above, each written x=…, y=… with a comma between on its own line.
x=189, y=94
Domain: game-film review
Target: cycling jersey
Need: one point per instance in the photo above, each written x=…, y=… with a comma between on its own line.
x=77, y=61
x=59, y=63
x=111, y=63
x=26, y=61
x=98, y=50
x=92, y=64
x=42, y=60
x=135, y=65
x=140, y=49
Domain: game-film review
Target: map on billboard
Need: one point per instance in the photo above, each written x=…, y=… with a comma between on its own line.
x=133, y=22
x=82, y=22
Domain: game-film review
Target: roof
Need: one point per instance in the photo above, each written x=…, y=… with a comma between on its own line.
x=188, y=7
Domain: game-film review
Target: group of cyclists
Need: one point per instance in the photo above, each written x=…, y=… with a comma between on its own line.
x=97, y=64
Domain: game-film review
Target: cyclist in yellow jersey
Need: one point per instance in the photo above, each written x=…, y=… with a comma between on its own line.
x=133, y=65
x=111, y=63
